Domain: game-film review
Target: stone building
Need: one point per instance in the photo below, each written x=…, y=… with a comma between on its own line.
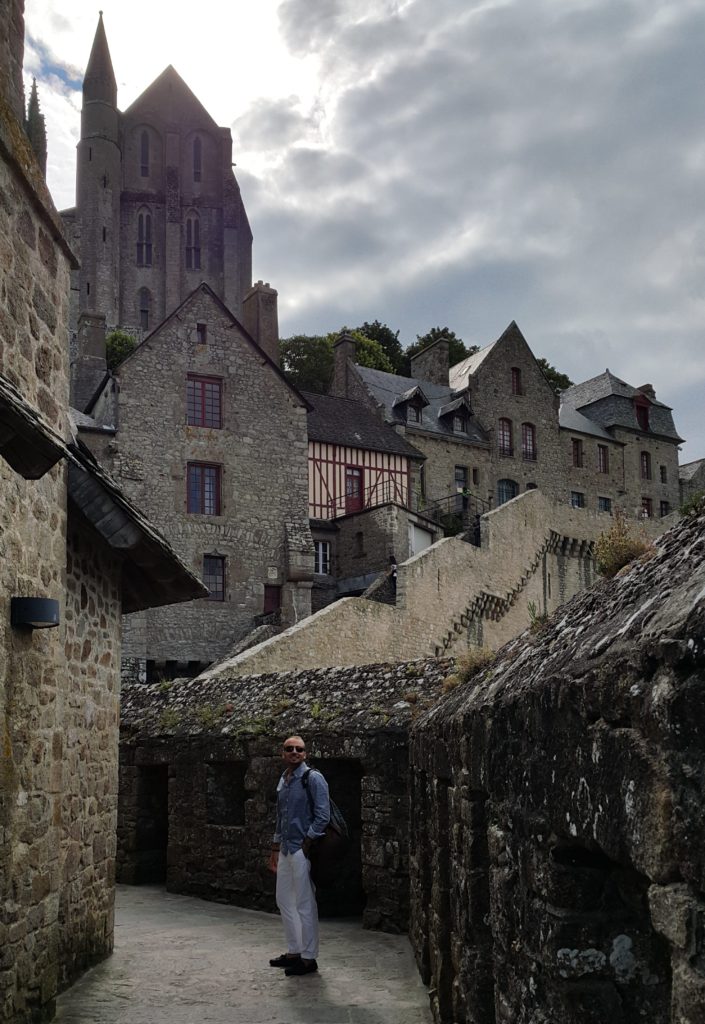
x=492, y=426
x=199, y=765
x=74, y=553
x=190, y=409
x=361, y=478
x=557, y=829
x=158, y=208
x=692, y=479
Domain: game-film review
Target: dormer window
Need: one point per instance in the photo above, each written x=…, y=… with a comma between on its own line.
x=460, y=423
x=641, y=407
x=413, y=413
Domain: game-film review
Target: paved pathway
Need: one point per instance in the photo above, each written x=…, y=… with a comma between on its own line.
x=180, y=960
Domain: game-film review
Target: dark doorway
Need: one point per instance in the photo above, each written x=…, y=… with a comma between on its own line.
x=152, y=825
x=346, y=897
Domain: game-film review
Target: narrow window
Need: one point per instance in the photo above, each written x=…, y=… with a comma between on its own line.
x=214, y=576
x=577, y=446
x=641, y=407
x=144, y=239
x=647, y=508
x=193, y=243
x=104, y=234
x=90, y=153
x=359, y=544
x=196, y=159
x=144, y=155
x=105, y=181
x=604, y=505
x=645, y=462
x=203, y=401
x=203, y=489
x=476, y=476
x=200, y=334
x=272, y=599
x=504, y=438
x=145, y=308
x=664, y=508
x=577, y=499
x=603, y=458
x=528, y=442
x=506, y=490
x=516, y=381
x=322, y=557
x=461, y=478
x=663, y=474
x=88, y=287
x=422, y=480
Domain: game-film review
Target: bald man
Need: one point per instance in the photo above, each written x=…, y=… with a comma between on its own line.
x=303, y=811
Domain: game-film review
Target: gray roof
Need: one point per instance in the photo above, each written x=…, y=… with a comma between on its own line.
x=342, y=421
x=602, y=386
x=688, y=470
x=27, y=442
x=466, y=367
x=571, y=419
x=385, y=388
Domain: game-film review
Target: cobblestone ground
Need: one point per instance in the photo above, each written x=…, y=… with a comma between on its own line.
x=180, y=960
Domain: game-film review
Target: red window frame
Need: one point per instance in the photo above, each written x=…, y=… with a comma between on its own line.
x=516, y=381
x=647, y=508
x=578, y=453
x=204, y=401
x=641, y=408
x=528, y=442
x=505, y=443
x=603, y=458
x=203, y=485
x=354, y=480
x=214, y=576
x=645, y=465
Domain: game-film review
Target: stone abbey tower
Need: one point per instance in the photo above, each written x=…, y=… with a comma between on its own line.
x=158, y=212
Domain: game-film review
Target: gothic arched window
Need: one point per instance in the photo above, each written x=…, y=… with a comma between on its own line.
x=145, y=308
x=193, y=243
x=144, y=239
x=144, y=155
x=197, y=153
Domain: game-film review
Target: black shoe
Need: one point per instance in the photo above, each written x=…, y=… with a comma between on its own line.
x=302, y=967
x=285, y=960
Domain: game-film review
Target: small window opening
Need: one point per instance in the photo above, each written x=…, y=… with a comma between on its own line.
x=200, y=334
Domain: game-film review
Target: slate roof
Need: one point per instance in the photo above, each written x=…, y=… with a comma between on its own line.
x=571, y=419
x=602, y=386
x=27, y=442
x=459, y=373
x=386, y=387
x=688, y=470
x=344, y=422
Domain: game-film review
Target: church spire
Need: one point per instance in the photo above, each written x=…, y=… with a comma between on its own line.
x=35, y=127
x=99, y=81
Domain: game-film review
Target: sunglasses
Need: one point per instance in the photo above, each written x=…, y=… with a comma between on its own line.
x=291, y=748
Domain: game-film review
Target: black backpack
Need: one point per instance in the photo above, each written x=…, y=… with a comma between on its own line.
x=329, y=849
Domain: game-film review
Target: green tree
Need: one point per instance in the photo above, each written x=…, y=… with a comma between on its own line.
x=307, y=361
x=387, y=338
x=457, y=349
x=118, y=346
x=558, y=381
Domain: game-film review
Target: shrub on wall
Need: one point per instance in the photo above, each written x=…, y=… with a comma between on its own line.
x=693, y=504
x=118, y=346
x=618, y=546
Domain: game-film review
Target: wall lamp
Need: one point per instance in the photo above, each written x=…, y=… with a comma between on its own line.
x=34, y=612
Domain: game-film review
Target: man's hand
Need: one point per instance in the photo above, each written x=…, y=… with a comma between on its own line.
x=306, y=846
x=273, y=860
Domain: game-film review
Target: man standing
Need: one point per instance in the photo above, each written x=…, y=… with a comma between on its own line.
x=303, y=811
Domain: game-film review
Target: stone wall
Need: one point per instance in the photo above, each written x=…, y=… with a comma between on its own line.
x=557, y=831
x=200, y=763
x=261, y=528
x=452, y=595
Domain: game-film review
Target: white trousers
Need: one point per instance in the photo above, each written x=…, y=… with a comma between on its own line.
x=296, y=899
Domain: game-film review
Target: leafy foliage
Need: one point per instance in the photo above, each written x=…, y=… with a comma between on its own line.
x=558, y=381
x=388, y=339
x=457, y=349
x=618, y=546
x=118, y=346
x=307, y=360
x=694, y=504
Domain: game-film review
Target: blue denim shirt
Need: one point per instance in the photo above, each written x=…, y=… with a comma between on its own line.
x=294, y=818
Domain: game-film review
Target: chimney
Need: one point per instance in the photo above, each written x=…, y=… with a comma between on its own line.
x=261, y=320
x=343, y=354
x=432, y=363
x=90, y=366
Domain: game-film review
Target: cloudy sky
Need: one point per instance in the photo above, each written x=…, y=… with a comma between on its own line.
x=445, y=162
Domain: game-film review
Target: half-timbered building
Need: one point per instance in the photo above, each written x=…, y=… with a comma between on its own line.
x=363, y=479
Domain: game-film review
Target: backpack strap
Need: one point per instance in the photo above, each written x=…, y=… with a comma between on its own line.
x=304, y=783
